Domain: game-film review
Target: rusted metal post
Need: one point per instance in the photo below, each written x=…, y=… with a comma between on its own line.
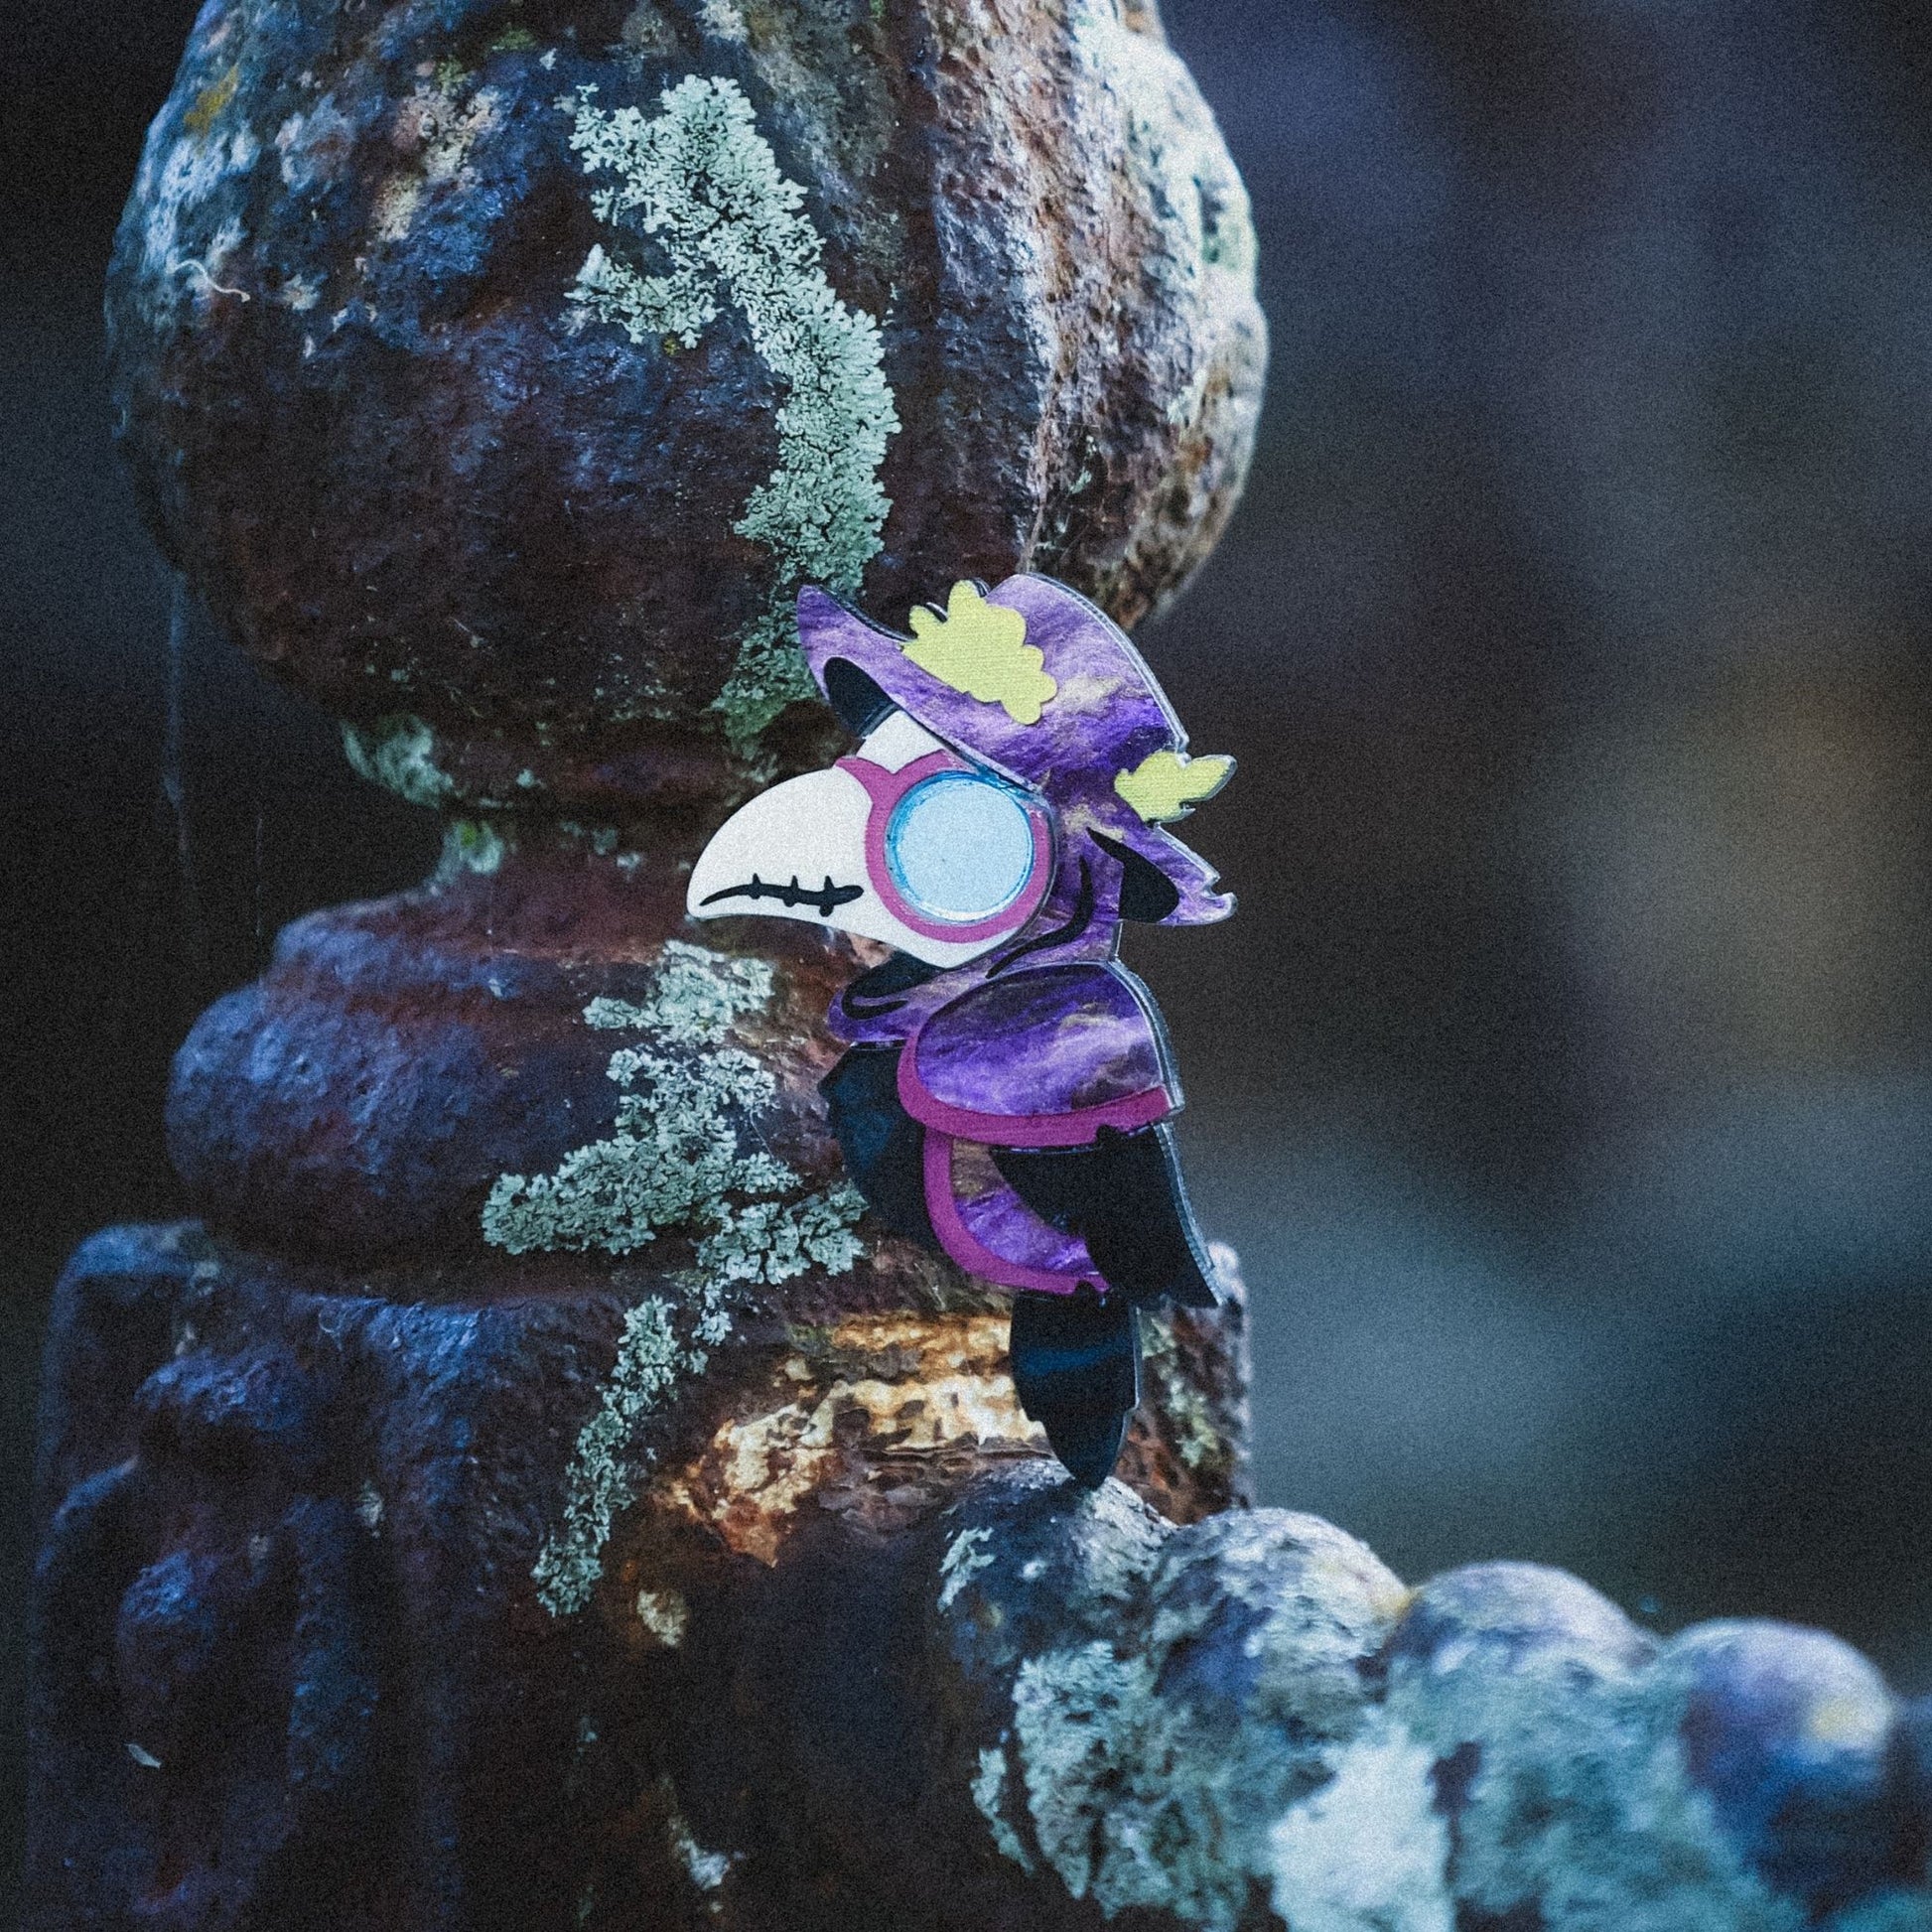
x=530, y=1494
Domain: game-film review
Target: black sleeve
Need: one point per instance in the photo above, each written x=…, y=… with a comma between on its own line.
x=882, y=1145
x=1125, y=1198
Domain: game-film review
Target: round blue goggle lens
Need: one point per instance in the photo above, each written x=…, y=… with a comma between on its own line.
x=960, y=848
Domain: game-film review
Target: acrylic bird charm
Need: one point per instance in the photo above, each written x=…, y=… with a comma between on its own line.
x=1007, y=1082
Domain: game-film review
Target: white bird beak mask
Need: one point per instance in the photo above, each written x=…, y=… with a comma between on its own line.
x=905, y=842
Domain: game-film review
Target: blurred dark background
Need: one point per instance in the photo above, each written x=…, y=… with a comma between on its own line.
x=1566, y=1079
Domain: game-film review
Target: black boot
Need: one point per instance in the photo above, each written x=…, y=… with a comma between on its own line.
x=1076, y=1365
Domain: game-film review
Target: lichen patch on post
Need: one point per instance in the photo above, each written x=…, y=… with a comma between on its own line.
x=1198, y=1437
x=703, y=184
x=674, y=1161
x=722, y=20
x=694, y=998
x=1579, y=1806
x=171, y=189
x=664, y=1614
x=677, y=1157
x=602, y=1477
x=437, y=133
x=707, y=1871
x=1091, y=1735
x=1221, y=1684
x=1368, y=1852
x=399, y=751
x=965, y=1554
x=1206, y=231
x=471, y=845
x=990, y=1799
x=1134, y=1801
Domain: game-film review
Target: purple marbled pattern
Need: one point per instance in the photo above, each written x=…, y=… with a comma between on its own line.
x=1025, y=1055
x=868, y=1022
x=1002, y=1222
x=1108, y=715
x=1050, y=1042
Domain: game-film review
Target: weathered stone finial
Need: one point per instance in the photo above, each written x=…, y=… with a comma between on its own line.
x=500, y=372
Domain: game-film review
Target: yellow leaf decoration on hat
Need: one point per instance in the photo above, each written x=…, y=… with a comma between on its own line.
x=981, y=648
x=1166, y=784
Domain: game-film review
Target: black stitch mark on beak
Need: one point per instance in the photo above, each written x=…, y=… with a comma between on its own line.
x=824, y=898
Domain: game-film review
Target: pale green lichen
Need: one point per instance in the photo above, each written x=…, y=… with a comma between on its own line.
x=1222, y=1740
x=722, y=20
x=1579, y=1803
x=173, y=189
x=1134, y=1801
x=601, y=839
x=471, y=845
x=965, y=1554
x=665, y=1614
x=694, y=997
x=1203, y=220
x=1100, y=1750
x=1143, y=1796
x=1368, y=1852
x=397, y=752
x=1199, y=253
x=1183, y=1402
x=703, y=182
x=1128, y=1544
x=990, y=1799
x=707, y=1871
x=602, y=1479
x=645, y=32
x=771, y=1241
x=675, y=1160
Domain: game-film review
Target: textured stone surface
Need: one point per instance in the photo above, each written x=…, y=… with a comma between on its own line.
x=362, y=1100
x=414, y=465
x=533, y=1495
x=1249, y=1720
x=849, y=1657
x=533, y=1392
x=392, y=1599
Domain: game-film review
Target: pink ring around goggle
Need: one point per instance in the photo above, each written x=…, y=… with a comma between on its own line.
x=885, y=788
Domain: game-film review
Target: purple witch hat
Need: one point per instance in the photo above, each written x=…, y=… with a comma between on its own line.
x=1044, y=687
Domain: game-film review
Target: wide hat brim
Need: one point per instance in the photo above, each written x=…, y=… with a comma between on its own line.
x=1106, y=716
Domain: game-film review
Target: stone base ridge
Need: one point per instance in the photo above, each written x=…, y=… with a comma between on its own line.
x=358, y=1608
x=596, y=1608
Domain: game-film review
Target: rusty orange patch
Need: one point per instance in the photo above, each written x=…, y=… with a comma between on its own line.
x=862, y=1411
